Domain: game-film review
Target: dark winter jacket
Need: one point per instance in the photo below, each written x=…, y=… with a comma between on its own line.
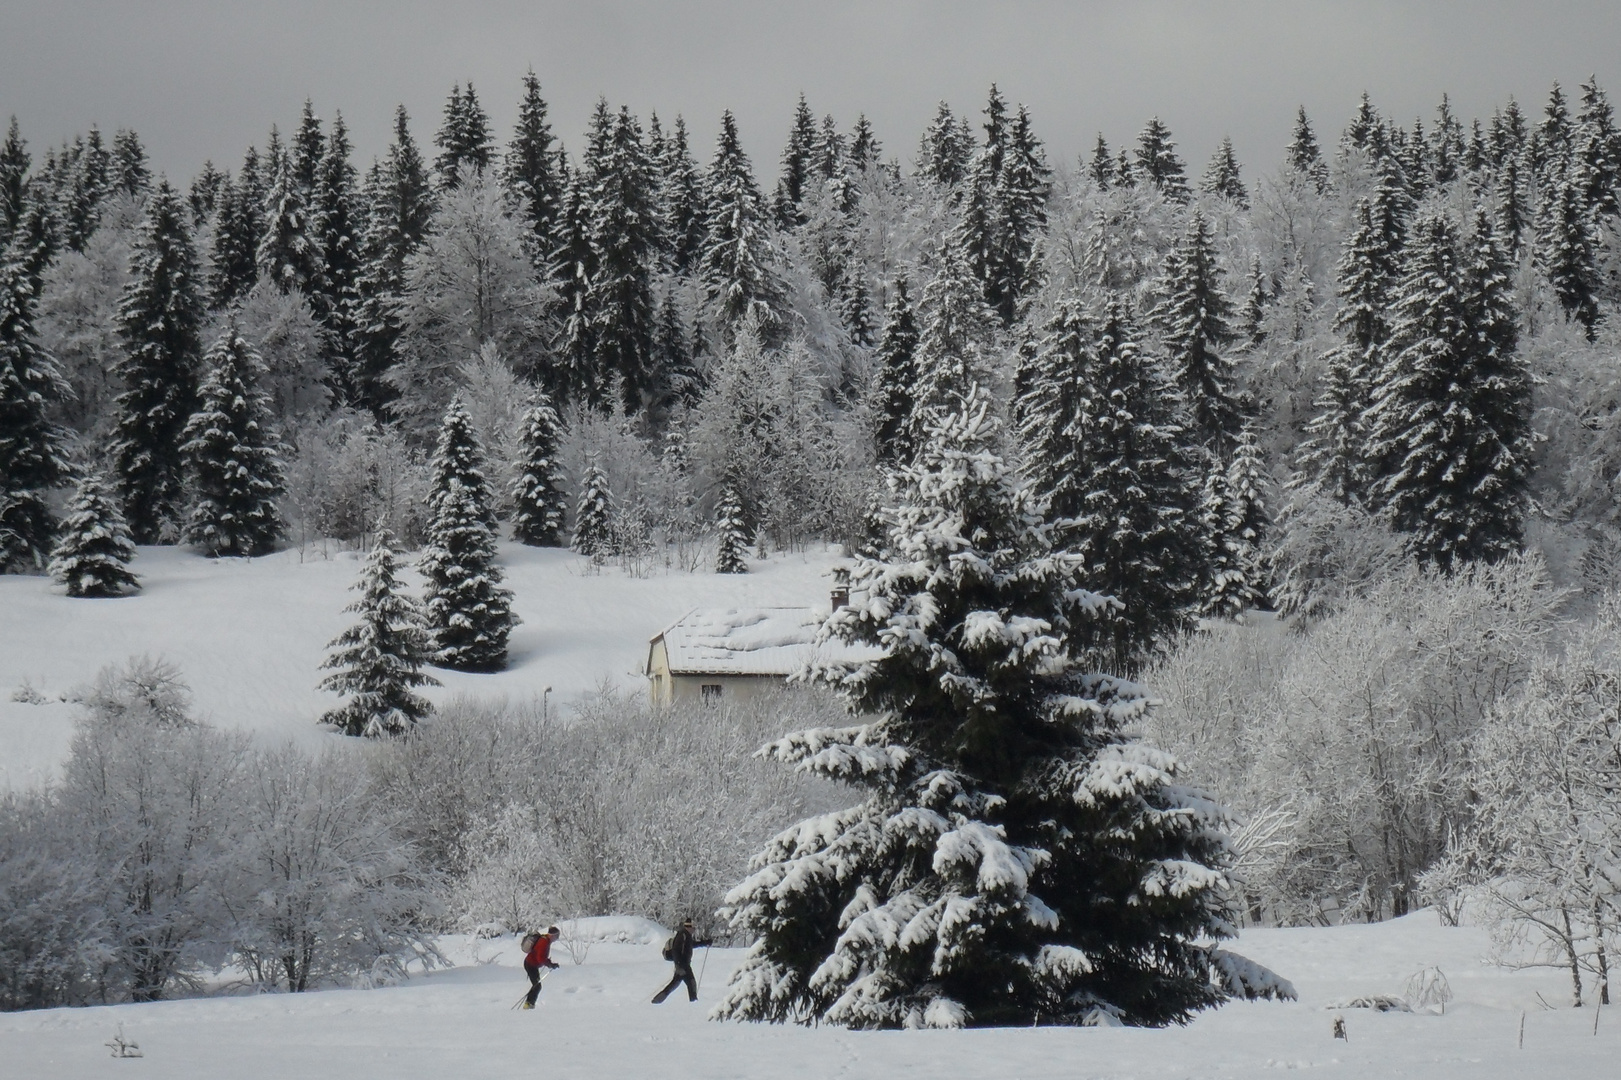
x=681, y=947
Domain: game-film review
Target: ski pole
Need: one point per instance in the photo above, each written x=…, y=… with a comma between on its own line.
x=703, y=967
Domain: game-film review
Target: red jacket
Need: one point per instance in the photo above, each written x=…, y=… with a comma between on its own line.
x=541, y=954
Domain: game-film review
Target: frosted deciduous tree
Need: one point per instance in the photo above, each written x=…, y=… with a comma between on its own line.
x=93, y=549
x=377, y=663
x=232, y=455
x=1016, y=857
x=469, y=282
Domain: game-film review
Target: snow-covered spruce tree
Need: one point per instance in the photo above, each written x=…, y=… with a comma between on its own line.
x=539, y=503
x=957, y=325
x=160, y=319
x=378, y=661
x=1567, y=246
x=94, y=549
x=231, y=455
x=1221, y=178
x=464, y=141
x=1449, y=430
x=732, y=529
x=593, y=516
x=287, y=252
x=31, y=457
x=1236, y=523
x=458, y=455
x=1195, y=318
x=738, y=264
x=399, y=203
x=1158, y=163
x=1303, y=155
x=1138, y=529
x=624, y=237
x=533, y=172
x=1333, y=454
x=897, y=378
x=1053, y=409
x=469, y=614
x=1017, y=859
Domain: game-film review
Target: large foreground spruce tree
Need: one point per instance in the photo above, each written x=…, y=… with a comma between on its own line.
x=1017, y=859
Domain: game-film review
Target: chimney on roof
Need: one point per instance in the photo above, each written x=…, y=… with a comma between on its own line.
x=841, y=587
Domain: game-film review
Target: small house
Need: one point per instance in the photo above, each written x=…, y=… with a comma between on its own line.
x=735, y=654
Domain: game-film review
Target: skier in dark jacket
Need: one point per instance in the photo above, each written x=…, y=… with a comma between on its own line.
x=679, y=952
x=539, y=956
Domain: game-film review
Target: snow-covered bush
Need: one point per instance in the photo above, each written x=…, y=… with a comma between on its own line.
x=322, y=890
x=1538, y=858
x=171, y=849
x=1348, y=745
x=621, y=809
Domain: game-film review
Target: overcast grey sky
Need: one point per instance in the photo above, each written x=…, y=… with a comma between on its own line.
x=203, y=79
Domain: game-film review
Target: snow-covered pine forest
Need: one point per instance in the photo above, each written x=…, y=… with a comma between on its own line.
x=1288, y=485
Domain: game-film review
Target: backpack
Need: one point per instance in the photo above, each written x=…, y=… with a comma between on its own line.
x=669, y=949
x=529, y=940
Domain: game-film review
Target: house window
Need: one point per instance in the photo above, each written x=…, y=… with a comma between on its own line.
x=711, y=693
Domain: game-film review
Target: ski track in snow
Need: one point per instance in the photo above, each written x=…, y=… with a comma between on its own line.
x=595, y=1021
x=249, y=634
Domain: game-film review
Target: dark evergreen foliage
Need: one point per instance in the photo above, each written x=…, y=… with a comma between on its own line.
x=287, y=254
x=336, y=222
x=128, y=169
x=93, y=552
x=378, y=661
x=1054, y=408
x=1236, y=523
x=683, y=211
x=1567, y=245
x=232, y=455
x=14, y=164
x=160, y=319
x=897, y=379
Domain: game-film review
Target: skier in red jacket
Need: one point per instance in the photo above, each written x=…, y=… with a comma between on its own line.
x=539, y=956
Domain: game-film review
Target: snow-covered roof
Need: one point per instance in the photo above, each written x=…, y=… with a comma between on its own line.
x=750, y=641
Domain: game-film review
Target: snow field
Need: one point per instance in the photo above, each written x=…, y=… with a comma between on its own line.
x=595, y=1021
x=249, y=635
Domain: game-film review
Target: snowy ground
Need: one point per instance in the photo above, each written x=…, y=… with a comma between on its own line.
x=595, y=1021
x=249, y=634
